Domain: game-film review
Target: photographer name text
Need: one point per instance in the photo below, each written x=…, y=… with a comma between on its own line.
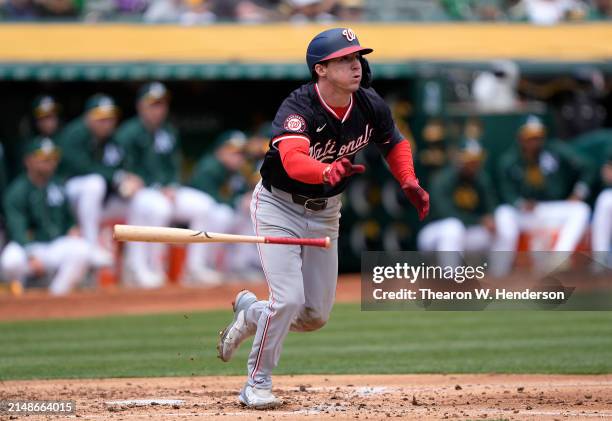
x=478, y=294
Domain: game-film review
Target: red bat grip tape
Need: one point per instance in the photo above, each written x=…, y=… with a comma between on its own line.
x=315, y=242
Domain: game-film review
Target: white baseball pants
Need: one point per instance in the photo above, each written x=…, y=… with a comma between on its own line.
x=570, y=218
x=67, y=258
x=193, y=207
x=602, y=222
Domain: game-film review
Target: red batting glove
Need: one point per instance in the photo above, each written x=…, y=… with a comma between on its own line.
x=340, y=169
x=417, y=196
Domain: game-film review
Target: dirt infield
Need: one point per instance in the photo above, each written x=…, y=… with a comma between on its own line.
x=488, y=396
x=515, y=397
x=37, y=304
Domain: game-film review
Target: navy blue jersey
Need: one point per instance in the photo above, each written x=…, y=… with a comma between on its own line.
x=304, y=114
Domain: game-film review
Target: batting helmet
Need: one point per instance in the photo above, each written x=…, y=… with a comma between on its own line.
x=334, y=43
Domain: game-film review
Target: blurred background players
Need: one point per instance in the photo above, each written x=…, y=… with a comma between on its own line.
x=602, y=214
x=225, y=175
x=151, y=147
x=543, y=185
x=91, y=164
x=463, y=202
x=43, y=121
x=40, y=226
x=220, y=174
x=45, y=112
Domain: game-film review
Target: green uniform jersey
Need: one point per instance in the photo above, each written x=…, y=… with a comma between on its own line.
x=608, y=162
x=212, y=177
x=455, y=196
x=36, y=214
x=152, y=156
x=557, y=173
x=3, y=172
x=83, y=154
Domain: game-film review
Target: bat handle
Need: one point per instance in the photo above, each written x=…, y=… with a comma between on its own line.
x=313, y=242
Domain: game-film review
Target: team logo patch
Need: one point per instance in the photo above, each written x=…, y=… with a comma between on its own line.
x=295, y=123
x=349, y=34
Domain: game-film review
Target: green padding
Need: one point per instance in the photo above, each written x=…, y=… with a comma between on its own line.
x=237, y=71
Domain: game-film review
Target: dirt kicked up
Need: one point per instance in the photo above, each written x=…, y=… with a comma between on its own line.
x=489, y=396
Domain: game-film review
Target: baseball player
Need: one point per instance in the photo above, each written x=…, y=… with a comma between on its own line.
x=44, y=120
x=317, y=132
x=224, y=175
x=219, y=174
x=602, y=214
x=45, y=111
x=43, y=239
x=463, y=205
x=542, y=186
x=151, y=150
x=91, y=163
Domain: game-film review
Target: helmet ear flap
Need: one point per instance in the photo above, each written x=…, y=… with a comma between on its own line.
x=366, y=72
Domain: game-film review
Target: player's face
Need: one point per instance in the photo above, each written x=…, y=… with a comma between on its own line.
x=47, y=126
x=102, y=128
x=344, y=72
x=153, y=113
x=531, y=145
x=42, y=166
x=470, y=167
x=232, y=159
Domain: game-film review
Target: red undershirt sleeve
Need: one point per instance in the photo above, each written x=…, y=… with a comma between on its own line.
x=400, y=162
x=298, y=164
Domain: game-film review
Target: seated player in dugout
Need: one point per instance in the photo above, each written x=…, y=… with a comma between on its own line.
x=317, y=131
x=43, y=237
x=44, y=120
x=45, y=114
x=91, y=164
x=223, y=174
x=220, y=173
x=463, y=203
x=151, y=145
x=601, y=235
x=543, y=185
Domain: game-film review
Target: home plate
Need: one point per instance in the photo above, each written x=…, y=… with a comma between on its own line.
x=145, y=402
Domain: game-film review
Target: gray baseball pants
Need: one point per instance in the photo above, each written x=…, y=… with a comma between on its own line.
x=301, y=280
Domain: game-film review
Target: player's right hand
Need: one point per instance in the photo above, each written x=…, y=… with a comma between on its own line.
x=340, y=169
x=36, y=266
x=129, y=185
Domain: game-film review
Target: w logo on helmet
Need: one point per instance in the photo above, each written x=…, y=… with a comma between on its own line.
x=349, y=34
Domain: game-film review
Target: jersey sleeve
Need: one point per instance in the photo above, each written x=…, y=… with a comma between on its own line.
x=386, y=134
x=16, y=214
x=586, y=171
x=124, y=140
x=76, y=157
x=509, y=189
x=293, y=120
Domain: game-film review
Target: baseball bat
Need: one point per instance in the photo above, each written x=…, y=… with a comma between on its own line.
x=183, y=236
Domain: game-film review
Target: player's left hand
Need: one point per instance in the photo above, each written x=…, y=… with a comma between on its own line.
x=418, y=197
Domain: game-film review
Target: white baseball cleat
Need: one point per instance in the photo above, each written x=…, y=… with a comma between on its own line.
x=237, y=331
x=143, y=278
x=252, y=397
x=202, y=277
x=100, y=257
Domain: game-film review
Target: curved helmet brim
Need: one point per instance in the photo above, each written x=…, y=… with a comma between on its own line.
x=346, y=51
